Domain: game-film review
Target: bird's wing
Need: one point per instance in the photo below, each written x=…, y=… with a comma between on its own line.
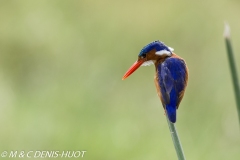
x=172, y=78
x=165, y=82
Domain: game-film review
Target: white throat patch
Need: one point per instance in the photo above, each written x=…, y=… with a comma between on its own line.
x=165, y=52
x=148, y=63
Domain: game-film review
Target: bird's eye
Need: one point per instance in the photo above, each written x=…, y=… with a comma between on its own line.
x=143, y=56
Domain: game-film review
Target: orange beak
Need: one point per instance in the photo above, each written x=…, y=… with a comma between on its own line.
x=133, y=68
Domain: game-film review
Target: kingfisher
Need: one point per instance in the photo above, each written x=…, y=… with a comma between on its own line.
x=171, y=75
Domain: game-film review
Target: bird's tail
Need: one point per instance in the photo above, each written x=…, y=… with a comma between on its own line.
x=171, y=113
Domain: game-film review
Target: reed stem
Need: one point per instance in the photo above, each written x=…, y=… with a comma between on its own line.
x=232, y=68
x=176, y=141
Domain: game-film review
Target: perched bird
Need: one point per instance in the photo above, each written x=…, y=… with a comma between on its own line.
x=171, y=74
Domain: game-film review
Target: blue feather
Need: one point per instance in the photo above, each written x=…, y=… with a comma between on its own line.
x=171, y=79
x=172, y=106
x=158, y=45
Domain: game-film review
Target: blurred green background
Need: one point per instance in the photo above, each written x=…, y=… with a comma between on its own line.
x=61, y=64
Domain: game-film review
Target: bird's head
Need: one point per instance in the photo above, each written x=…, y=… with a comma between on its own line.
x=149, y=55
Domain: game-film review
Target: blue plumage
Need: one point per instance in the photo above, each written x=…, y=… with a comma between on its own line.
x=172, y=81
x=171, y=74
x=157, y=45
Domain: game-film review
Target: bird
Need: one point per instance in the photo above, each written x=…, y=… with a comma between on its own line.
x=171, y=76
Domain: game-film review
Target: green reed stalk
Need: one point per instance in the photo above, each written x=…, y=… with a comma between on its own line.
x=232, y=68
x=176, y=141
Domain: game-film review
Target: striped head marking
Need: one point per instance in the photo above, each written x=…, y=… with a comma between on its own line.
x=160, y=50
